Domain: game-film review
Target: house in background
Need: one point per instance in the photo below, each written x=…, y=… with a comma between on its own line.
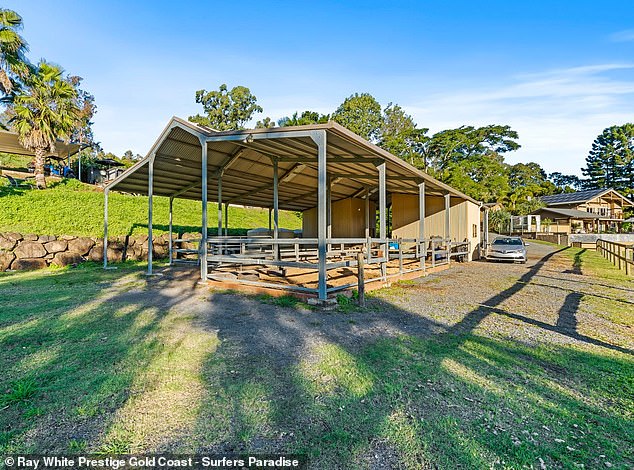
x=592, y=211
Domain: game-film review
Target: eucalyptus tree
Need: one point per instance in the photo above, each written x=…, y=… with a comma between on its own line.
x=44, y=110
x=226, y=109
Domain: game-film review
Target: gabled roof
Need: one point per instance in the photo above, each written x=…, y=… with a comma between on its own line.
x=579, y=197
x=244, y=159
x=568, y=213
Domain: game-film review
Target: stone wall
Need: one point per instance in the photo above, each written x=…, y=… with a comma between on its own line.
x=28, y=251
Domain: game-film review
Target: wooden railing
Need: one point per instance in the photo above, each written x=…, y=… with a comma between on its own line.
x=619, y=254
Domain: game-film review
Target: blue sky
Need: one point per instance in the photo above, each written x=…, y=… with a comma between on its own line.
x=557, y=72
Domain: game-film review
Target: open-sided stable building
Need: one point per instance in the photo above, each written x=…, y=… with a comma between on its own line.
x=351, y=194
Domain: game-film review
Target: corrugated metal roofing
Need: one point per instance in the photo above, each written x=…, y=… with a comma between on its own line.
x=248, y=169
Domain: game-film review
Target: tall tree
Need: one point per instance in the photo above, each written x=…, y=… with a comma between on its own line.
x=481, y=176
x=307, y=117
x=526, y=174
x=455, y=145
x=610, y=163
x=565, y=183
x=85, y=104
x=226, y=109
x=13, y=63
x=360, y=113
x=400, y=135
x=45, y=109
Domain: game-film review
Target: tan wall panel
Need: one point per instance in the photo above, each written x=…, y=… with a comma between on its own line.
x=348, y=219
x=463, y=215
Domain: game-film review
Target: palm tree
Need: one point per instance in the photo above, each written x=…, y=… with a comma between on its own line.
x=45, y=110
x=13, y=48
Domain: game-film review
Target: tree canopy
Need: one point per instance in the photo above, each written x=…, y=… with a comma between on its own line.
x=307, y=117
x=610, y=163
x=13, y=48
x=361, y=113
x=226, y=109
x=399, y=135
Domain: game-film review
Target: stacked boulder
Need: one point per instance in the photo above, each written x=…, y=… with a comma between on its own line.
x=28, y=251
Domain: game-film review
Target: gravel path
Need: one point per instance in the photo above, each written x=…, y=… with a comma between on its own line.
x=544, y=300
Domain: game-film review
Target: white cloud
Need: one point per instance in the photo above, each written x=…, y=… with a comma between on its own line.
x=623, y=36
x=557, y=113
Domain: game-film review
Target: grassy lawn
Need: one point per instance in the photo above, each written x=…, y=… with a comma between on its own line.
x=73, y=208
x=90, y=363
x=589, y=262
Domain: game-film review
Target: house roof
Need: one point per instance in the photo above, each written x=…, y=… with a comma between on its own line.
x=244, y=158
x=9, y=143
x=579, y=197
x=568, y=213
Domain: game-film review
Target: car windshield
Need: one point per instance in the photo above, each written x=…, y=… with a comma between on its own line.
x=508, y=241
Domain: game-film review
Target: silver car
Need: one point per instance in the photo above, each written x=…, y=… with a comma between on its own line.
x=507, y=249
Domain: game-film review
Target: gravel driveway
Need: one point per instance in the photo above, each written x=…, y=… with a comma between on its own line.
x=545, y=300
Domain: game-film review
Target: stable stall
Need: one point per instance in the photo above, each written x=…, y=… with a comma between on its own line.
x=342, y=184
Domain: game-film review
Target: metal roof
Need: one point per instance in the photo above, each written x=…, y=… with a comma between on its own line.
x=9, y=143
x=578, y=197
x=247, y=167
x=569, y=213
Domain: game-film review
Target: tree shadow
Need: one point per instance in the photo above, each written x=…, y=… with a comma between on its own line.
x=380, y=388
x=387, y=388
x=80, y=336
x=576, y=265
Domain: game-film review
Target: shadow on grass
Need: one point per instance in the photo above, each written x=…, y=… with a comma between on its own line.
x=426, y=396
x=381, y=388
x=81, y=336
x=577, y=263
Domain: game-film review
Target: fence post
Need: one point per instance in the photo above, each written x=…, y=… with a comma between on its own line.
x=400, y=255
x=360, y=279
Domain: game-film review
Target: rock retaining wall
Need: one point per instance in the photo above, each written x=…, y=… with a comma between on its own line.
x=28, y=251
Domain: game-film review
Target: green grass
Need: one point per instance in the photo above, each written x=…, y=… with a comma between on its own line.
x=91, y=367
x=14, y=162
x=590, y=262
x=73, y=208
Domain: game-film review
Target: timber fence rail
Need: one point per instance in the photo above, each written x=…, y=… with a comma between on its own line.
x=619, y=254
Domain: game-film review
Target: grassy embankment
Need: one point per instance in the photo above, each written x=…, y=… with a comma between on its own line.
x=73, y=208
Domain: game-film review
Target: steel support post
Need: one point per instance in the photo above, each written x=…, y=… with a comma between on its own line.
x=382, y=219
x=220, y=204
x=170, y=244
x=276, y=214
x=150, y=213
x=320, y=139
x=329, y=212
x=421, y=224
x=447, y=227
x=226, y=219
x=203, y=242
x=105, y=228
x=486, y=229
x=367, y=214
